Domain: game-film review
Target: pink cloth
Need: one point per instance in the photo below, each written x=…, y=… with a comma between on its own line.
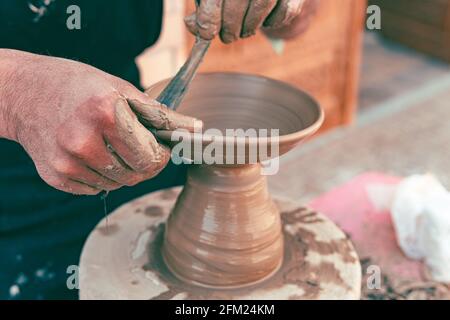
x=371, y=232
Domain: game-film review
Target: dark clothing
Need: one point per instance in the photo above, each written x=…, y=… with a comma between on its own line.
x=42, y=230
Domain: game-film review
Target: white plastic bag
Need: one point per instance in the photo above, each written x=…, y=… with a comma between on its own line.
x=420, y=210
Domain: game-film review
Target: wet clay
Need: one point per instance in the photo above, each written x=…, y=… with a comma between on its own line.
x=319, y=261
x=237, y=101
x=233, y=16
x=209, y=16
x=295, y=269
x=257, y=12
x=241, y=19
x=224, y=230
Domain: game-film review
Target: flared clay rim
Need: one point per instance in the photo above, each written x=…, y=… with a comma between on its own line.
x=287, y=138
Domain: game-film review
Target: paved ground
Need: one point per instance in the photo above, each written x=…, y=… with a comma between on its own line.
x=390, y=70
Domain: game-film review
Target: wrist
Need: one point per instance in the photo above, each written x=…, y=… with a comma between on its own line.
x=8, y=90
x=17, y=82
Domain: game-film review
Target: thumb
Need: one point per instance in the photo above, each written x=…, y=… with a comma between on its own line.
x=154, y=114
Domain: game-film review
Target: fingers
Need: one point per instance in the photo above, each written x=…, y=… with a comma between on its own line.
x=78, y=188
x=70, y=175
x=86, y=145
x=64, y=183
x=257, y=12
x=75, y=171
x=135, y=144
x=232, y=18
x=103, y=146
x=152, y=113
x=160, y=117
x=208, y=19
x=191, y=23
x=284, y=12
x=235, y=19
x=106, y=152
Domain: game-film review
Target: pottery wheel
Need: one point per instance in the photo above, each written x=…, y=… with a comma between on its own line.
x=122, y=259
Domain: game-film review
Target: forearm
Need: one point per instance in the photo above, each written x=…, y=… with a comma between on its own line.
x=24, y=78
x=10, y=66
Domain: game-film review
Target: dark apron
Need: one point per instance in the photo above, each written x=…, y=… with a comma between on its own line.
x=42, y=230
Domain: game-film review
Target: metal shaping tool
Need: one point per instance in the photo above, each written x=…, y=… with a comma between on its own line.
x=173, y=94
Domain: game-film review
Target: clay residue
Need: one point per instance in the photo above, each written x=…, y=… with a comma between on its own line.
x=393, y=288
x=108, y=230
x=295, y=269
x=224, y=230
x=233, y=15
x=209, y=17
x=255, y=16
x=168, y=194
x=341, y=246
x=154, y=211
x=303, y=215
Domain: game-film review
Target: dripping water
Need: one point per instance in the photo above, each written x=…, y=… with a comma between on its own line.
x=105, y=208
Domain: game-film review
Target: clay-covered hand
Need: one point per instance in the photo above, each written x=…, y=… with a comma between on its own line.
x=80, y=126
x=234, y=19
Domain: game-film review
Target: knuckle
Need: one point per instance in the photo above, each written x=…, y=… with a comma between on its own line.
x=64, y=167
x=107, y=115
x=79, y=147
x=124, y=85
x=93, y=102
x=101, y=107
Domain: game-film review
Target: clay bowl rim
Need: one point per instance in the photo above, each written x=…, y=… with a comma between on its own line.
x=287, y=138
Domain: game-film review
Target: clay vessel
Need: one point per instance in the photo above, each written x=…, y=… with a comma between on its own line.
x=225, y=230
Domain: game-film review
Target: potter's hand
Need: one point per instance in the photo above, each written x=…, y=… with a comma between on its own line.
x=78, y=126
x=234, y=19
